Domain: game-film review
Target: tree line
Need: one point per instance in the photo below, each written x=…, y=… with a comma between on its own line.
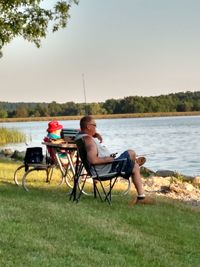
x=177, y=102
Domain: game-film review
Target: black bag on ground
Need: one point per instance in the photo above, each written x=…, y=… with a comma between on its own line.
x=33, y=155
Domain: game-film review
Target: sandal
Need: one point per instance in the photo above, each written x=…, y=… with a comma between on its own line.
x=140, y=161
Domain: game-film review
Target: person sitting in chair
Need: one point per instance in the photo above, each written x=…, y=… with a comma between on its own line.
x=99, y=156
x=53, y=136
x=54, y=130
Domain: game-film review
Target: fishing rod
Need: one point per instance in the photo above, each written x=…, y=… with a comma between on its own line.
x=84, y=90
x=153, y=153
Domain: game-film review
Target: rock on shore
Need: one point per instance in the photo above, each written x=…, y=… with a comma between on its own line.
x=9, y=153
x=181, y=188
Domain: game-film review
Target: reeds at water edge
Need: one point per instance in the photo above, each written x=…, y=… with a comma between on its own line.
x=11, y=136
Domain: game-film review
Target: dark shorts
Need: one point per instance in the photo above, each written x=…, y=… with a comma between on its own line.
x=127, y=168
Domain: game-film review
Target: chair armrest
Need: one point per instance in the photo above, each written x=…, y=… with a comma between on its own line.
x=120, y=163
x=117, y=161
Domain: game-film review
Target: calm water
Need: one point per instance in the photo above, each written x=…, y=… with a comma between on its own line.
x=168, y=143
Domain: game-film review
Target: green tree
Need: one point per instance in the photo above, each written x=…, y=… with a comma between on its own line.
x=132, y=104
x=196, y=106
x=26, y=18
x=82, y=109
x=21, y=111
x=112, y=106
x=139, y=107
x=95, y=109
x=151, y=104
x=54, y=108
x=3, y=113
x=41, y=110
x=184, y=106
x=69, y=109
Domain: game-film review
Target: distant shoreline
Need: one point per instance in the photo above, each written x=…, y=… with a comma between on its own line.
x=104, y=116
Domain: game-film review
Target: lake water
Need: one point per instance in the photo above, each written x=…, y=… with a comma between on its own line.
x=170, y=143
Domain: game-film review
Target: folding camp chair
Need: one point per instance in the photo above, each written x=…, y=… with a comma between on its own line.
x=34, y=161
x=69, y=148
x=67, y=171
x=51, y=162
x=83, y=164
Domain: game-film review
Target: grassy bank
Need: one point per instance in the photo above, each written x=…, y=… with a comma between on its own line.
x=11, y=136
x=43, y=228
x=105, y=116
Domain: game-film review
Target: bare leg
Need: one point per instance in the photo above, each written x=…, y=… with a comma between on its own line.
x=137, y=181
x=132, y=154
x=136, y=178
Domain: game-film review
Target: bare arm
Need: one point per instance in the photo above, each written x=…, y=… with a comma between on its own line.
x=92, y=153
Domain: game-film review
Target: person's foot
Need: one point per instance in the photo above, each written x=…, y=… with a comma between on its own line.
x=143, y=201
x=140, y=160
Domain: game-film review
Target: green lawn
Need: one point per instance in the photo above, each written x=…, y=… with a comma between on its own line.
x=43, y=228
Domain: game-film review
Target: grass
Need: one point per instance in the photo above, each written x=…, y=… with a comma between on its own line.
x=11, y=136
x=43, y=228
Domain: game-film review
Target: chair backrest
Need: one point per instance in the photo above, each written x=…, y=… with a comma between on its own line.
x=50, y=155
x=69, y=134
x=82, y=152
x=33, y=155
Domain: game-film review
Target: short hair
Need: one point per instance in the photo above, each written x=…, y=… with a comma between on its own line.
x=84, y=121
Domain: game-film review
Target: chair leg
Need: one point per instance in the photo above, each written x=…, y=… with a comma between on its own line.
x=81, y=189
x=51, y=169
x=47, y=174
x=17, y=172
x=105, y=193
x=108, y=196
x=77, y=176
x=95, y=188
x=24, y=178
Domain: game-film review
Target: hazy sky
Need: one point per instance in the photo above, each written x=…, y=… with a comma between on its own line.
x=130, y=47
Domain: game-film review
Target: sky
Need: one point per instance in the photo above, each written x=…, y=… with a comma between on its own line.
x=111, y=48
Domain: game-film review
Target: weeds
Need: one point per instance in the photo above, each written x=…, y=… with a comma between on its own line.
x=11, y=136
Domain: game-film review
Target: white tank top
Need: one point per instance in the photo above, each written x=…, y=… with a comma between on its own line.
x=102, y=152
